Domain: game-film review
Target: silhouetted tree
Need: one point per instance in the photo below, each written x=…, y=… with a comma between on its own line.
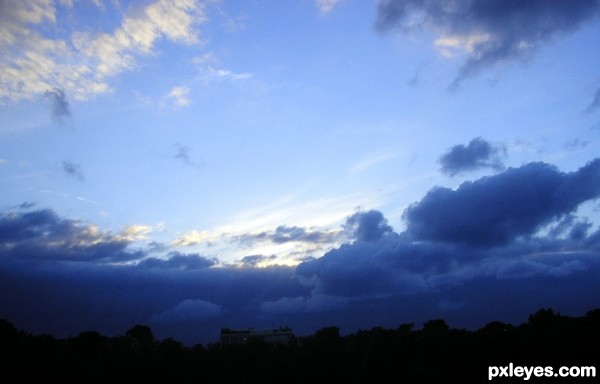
x=437, y=325
x=141, y=338
x=437, y=353
x=406, y=327
x=544, y=318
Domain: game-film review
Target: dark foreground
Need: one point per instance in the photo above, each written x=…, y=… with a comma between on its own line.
x=433, y=354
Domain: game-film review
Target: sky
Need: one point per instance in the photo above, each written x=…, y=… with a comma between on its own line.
x=198, y=164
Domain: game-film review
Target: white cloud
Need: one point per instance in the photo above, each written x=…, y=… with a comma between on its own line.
x=179, y=95
x=209, y=57
x=326, y=6
x=210, y=73
x=194, y=237
x=33, y=63
x=135, y=232
x=448, y=44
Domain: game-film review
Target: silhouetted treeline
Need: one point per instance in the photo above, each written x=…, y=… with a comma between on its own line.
x=435, y=353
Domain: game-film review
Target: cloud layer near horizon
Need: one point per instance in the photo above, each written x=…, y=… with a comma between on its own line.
x=496, y=248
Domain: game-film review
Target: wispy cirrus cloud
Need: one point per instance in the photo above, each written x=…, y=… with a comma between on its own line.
x=220, y=74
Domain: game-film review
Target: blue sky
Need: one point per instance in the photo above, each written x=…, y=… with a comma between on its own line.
x=316, y=158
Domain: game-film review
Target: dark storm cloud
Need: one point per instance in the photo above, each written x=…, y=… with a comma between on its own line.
x=177, y=260
x=498, y=214
x=44, y=224
x=395, y=276
x=60, y=104
x=397, y=267
x=570, y=226
x=475, y=155
x=497, y=209
x=73, y=170
x=367, y=226
x=43, y=235
x=494, y=31
x=363, y=269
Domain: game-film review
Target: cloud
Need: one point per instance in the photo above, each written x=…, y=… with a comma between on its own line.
x=488, y=32
x=194, y=237
x=497, y=209
x=363, y=270
x=595, y=104
x=135, y=232
x=42, y=235
x=73, y=170
x=255, y=260
x=576, y=144
x=182, y=153
x=287, y=234
x=284, y=234
x=452, y=238
x=179, y=96
x=190, y=309
x=64, y=276
x=26, y=205
x=177, y=260
x=469, y=255
x=81, y=63
x=367, y=226
x=60, y=105
x=212, y=74
x=477, y=154
x=205, y=58
x=325, y=6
